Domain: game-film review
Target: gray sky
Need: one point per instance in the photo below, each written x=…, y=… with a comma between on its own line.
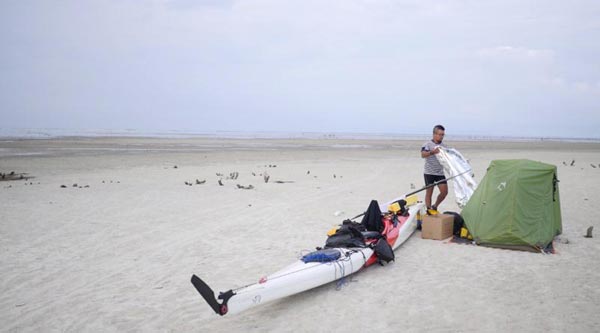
x=514, y=68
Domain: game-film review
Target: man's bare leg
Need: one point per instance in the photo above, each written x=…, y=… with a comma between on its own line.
x=443, y=193
x=428, y=195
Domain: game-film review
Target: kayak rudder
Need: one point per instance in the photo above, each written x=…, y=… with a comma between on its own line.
x=209, y=296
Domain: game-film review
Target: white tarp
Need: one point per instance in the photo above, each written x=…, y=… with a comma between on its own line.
x=455, y=165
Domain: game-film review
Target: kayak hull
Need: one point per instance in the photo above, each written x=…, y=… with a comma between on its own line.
x=299, y=277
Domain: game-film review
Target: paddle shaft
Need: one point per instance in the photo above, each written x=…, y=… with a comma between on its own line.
x=422, y=189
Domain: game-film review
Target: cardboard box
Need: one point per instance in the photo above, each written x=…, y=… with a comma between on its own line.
x=437, y=226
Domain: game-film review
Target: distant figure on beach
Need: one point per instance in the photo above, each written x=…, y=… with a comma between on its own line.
x=434, y=171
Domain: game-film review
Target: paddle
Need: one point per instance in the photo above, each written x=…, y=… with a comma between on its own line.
x=419, y=190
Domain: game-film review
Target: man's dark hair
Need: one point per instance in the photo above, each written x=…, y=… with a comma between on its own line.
x=438, y=127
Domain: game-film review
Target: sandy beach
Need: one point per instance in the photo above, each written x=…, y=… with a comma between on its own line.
x=103, y=234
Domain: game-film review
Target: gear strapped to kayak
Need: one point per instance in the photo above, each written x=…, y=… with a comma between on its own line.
x=350, y=234
x=325, y=255
x=350, y=248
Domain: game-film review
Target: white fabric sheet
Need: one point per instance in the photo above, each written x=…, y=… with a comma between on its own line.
x=455, y=165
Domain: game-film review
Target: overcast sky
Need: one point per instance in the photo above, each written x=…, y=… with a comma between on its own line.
x=514, y=68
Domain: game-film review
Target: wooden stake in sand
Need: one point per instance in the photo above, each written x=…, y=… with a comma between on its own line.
x=589, y=232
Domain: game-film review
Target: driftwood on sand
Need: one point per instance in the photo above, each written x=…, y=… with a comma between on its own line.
x=14, y=176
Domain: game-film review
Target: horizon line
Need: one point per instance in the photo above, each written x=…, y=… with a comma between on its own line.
x=53, y=133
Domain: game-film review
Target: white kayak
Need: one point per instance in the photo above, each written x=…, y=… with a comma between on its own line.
x=301, y=276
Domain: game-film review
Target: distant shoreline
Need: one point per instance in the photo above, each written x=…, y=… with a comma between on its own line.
x=51, y=133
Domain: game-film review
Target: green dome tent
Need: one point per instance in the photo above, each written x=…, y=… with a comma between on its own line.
x=515, y=206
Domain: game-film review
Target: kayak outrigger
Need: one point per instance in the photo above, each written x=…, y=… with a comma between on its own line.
x=354, y=246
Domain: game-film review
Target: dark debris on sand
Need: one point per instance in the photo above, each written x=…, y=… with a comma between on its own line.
x=14, y=176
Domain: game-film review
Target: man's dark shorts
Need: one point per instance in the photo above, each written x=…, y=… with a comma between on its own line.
x=430, y=179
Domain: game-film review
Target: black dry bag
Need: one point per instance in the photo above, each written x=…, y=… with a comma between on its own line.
x=384, y=251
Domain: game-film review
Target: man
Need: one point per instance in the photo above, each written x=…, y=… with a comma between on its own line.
x=434, y=171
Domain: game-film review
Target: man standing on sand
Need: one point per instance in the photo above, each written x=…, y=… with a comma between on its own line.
x=434, y=171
